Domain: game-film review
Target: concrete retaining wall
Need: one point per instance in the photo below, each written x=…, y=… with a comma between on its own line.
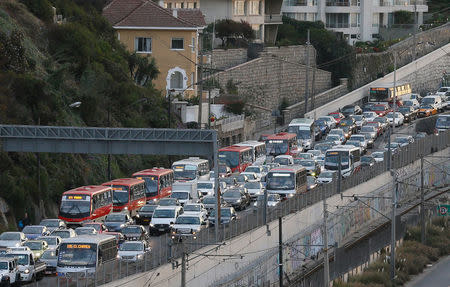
x=424, y=74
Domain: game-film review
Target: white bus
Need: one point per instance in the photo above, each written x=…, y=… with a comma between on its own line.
x=258, y=151
x=304, y=128
x=85, y=253
x=384, y=93
x=286, y=181
x=191, y=169
x=349, y=156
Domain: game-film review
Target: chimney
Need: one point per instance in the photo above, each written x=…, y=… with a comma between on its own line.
x=175, y=13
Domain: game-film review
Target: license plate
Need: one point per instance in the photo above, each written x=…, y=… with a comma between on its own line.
x=48, y=272
x=161, y=229
x=146, y=220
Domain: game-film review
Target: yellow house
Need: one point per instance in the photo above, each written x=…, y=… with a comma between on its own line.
x=171, y=36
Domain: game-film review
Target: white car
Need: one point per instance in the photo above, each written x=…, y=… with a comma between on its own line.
x=284, y=159
x=411, y=103
x=442, y=91
x=205, y=187
x=336, y=139
x=258, y=170
x=326, y=176
x=251, y=176
x=316, y=153
x=52, y=241
x=254, y=188
x=370, y=116
x=360, y=120
x=64, y=233
x=378, y=156
x=163, y=218
x=195, y=209
x=12, y=239
x=331, y=122
x=399, y=118
x=133, y=251
x=187, y=225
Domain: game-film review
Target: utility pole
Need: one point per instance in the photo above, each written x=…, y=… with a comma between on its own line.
x=394, y=206
x=414, y=39
x=200, y=84
x=422, y=204
x=313, y=84
x=339, y=179
x=109, y=152
x=307, y=74
x=326, y=266
x=210, y=72
x=280, y=250
x=169, y=117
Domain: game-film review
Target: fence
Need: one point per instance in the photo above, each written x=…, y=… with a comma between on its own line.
x=111, y=271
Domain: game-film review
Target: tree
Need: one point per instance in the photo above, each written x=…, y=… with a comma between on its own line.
x=403, y=17
x=142, y=69
x=227, y=29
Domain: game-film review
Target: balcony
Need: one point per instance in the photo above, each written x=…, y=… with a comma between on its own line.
x=338, y=3
x=296, y=3
x=273, y=19
x=337, y=25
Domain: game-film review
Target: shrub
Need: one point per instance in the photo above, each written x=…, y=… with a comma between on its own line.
x=372, y=277
x=403, y=17
x=41, y=8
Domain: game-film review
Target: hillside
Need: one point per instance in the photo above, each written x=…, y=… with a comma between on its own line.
x=44, y=67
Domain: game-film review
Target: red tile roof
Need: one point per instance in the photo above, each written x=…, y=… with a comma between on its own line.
x=146, y=13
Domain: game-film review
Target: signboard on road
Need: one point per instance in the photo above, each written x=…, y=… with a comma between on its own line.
x=444, y=210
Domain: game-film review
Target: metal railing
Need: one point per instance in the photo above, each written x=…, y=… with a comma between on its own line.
x=115, y=270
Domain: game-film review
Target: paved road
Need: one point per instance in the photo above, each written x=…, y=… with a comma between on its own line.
x=436, y=276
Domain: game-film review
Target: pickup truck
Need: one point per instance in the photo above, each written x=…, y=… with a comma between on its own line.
x=9, y=272
x=30, y=269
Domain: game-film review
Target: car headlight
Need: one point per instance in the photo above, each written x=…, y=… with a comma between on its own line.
x=17, y=244
x=291, y=195
x=140, y=256
x=238, y=201
x=137, y=215
x=26, y=271
x=122, y=225
x=313, y=173
x=118, y=256
x=151, y=225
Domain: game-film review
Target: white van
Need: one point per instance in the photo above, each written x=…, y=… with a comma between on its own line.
x=163, y=218
x=435, y=101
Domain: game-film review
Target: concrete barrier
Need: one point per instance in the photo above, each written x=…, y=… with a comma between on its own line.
x=439, y=56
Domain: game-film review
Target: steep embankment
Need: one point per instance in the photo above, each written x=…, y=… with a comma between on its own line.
x=44, y=67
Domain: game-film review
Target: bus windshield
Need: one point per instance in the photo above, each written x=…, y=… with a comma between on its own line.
x=120, y=195
x=303, y=132
x=151, y=186
x=75, y=208
x=180, y=195
x=276, y=147
x=332, y=160
x=231, y=158
x=379, y=95
x=77, y=255
x=185, y=172
x=279, y=180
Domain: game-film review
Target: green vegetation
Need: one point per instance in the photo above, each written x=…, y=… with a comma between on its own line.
x=44, y=67
x=333, y=54
x=438, y=13
x=403, y=17
x=233, y=34
x=412, y=257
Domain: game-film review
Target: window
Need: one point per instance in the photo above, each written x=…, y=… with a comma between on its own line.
x=195, y=5
x=337, y=20
x=176, y=80
x=177, y=44
x=143, y=45
x=239, y=8
x=193, y=45
x=253, y=7
x=182, y=5
x=192, y=79
x=355, y=19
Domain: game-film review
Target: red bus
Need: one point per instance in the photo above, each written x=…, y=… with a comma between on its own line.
x=236, y=157
x=158, y=182
x=128, y=194
x=282, y=143
x=86, y=203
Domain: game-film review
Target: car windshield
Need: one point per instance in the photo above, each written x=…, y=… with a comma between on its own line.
x=310, y=180
x=61, y=233
x=378, y=155
x=335, y=115
x=391, y=115
x=84, y=230
x=378, y=108
x=322, y=147
x=369, y=114
x=131, y=229
x=307, y=163
x=402, y=140
x=228, y=180
x=231, y=158
x=280, y=181
x=33, y=245
x=148, y=208
x=49, y=240
x=32, y=230
x=367, y=129
x=222, y=168
x=241, y=178
x=115, y=218
x=333, y=137
x=336, y=132
x=408, y=103
x=426, y=107
x=192, y=207
x=393, y=145
x=353, y=143
x=272, y=197
x=209, y=200
x=22, y=259
x=441, y=90
x=366, y=159
x=184, y=171
x=180, y=195
x=276, y=147
x=359, y=138
x=380, y=120
x=224, y=212
x=132, y=246
x=164, y=213
x=348, y=109
x=49, y=254
x=49, y=223
x=168, y=202
x=428, y=101
x=10, y=236
x=97, y=227
x=357, y=117
x=281, y=160
x=205, y=185
x=346, y=122
x=404, y=110
x=443, y=122
x=326, y=174
x=254, y=169
x=81, y=254
x=232, y=194
x=252, y=185
x=187, y=220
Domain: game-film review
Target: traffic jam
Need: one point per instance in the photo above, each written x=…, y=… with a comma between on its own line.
x=117, y=219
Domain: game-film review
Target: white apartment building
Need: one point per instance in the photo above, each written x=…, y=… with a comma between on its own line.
x=263, y=15
x=357, y=20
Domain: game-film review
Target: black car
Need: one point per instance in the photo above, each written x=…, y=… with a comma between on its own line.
x=409, y=113
x=236, y=198
x=350, y=123
x=367, y=160
x=227, y=214
x=144, y=214
x=229, y=181
x=317, y=133
x=117, y=221
x=135, y=232
x=351, y=110
x=169, y=201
